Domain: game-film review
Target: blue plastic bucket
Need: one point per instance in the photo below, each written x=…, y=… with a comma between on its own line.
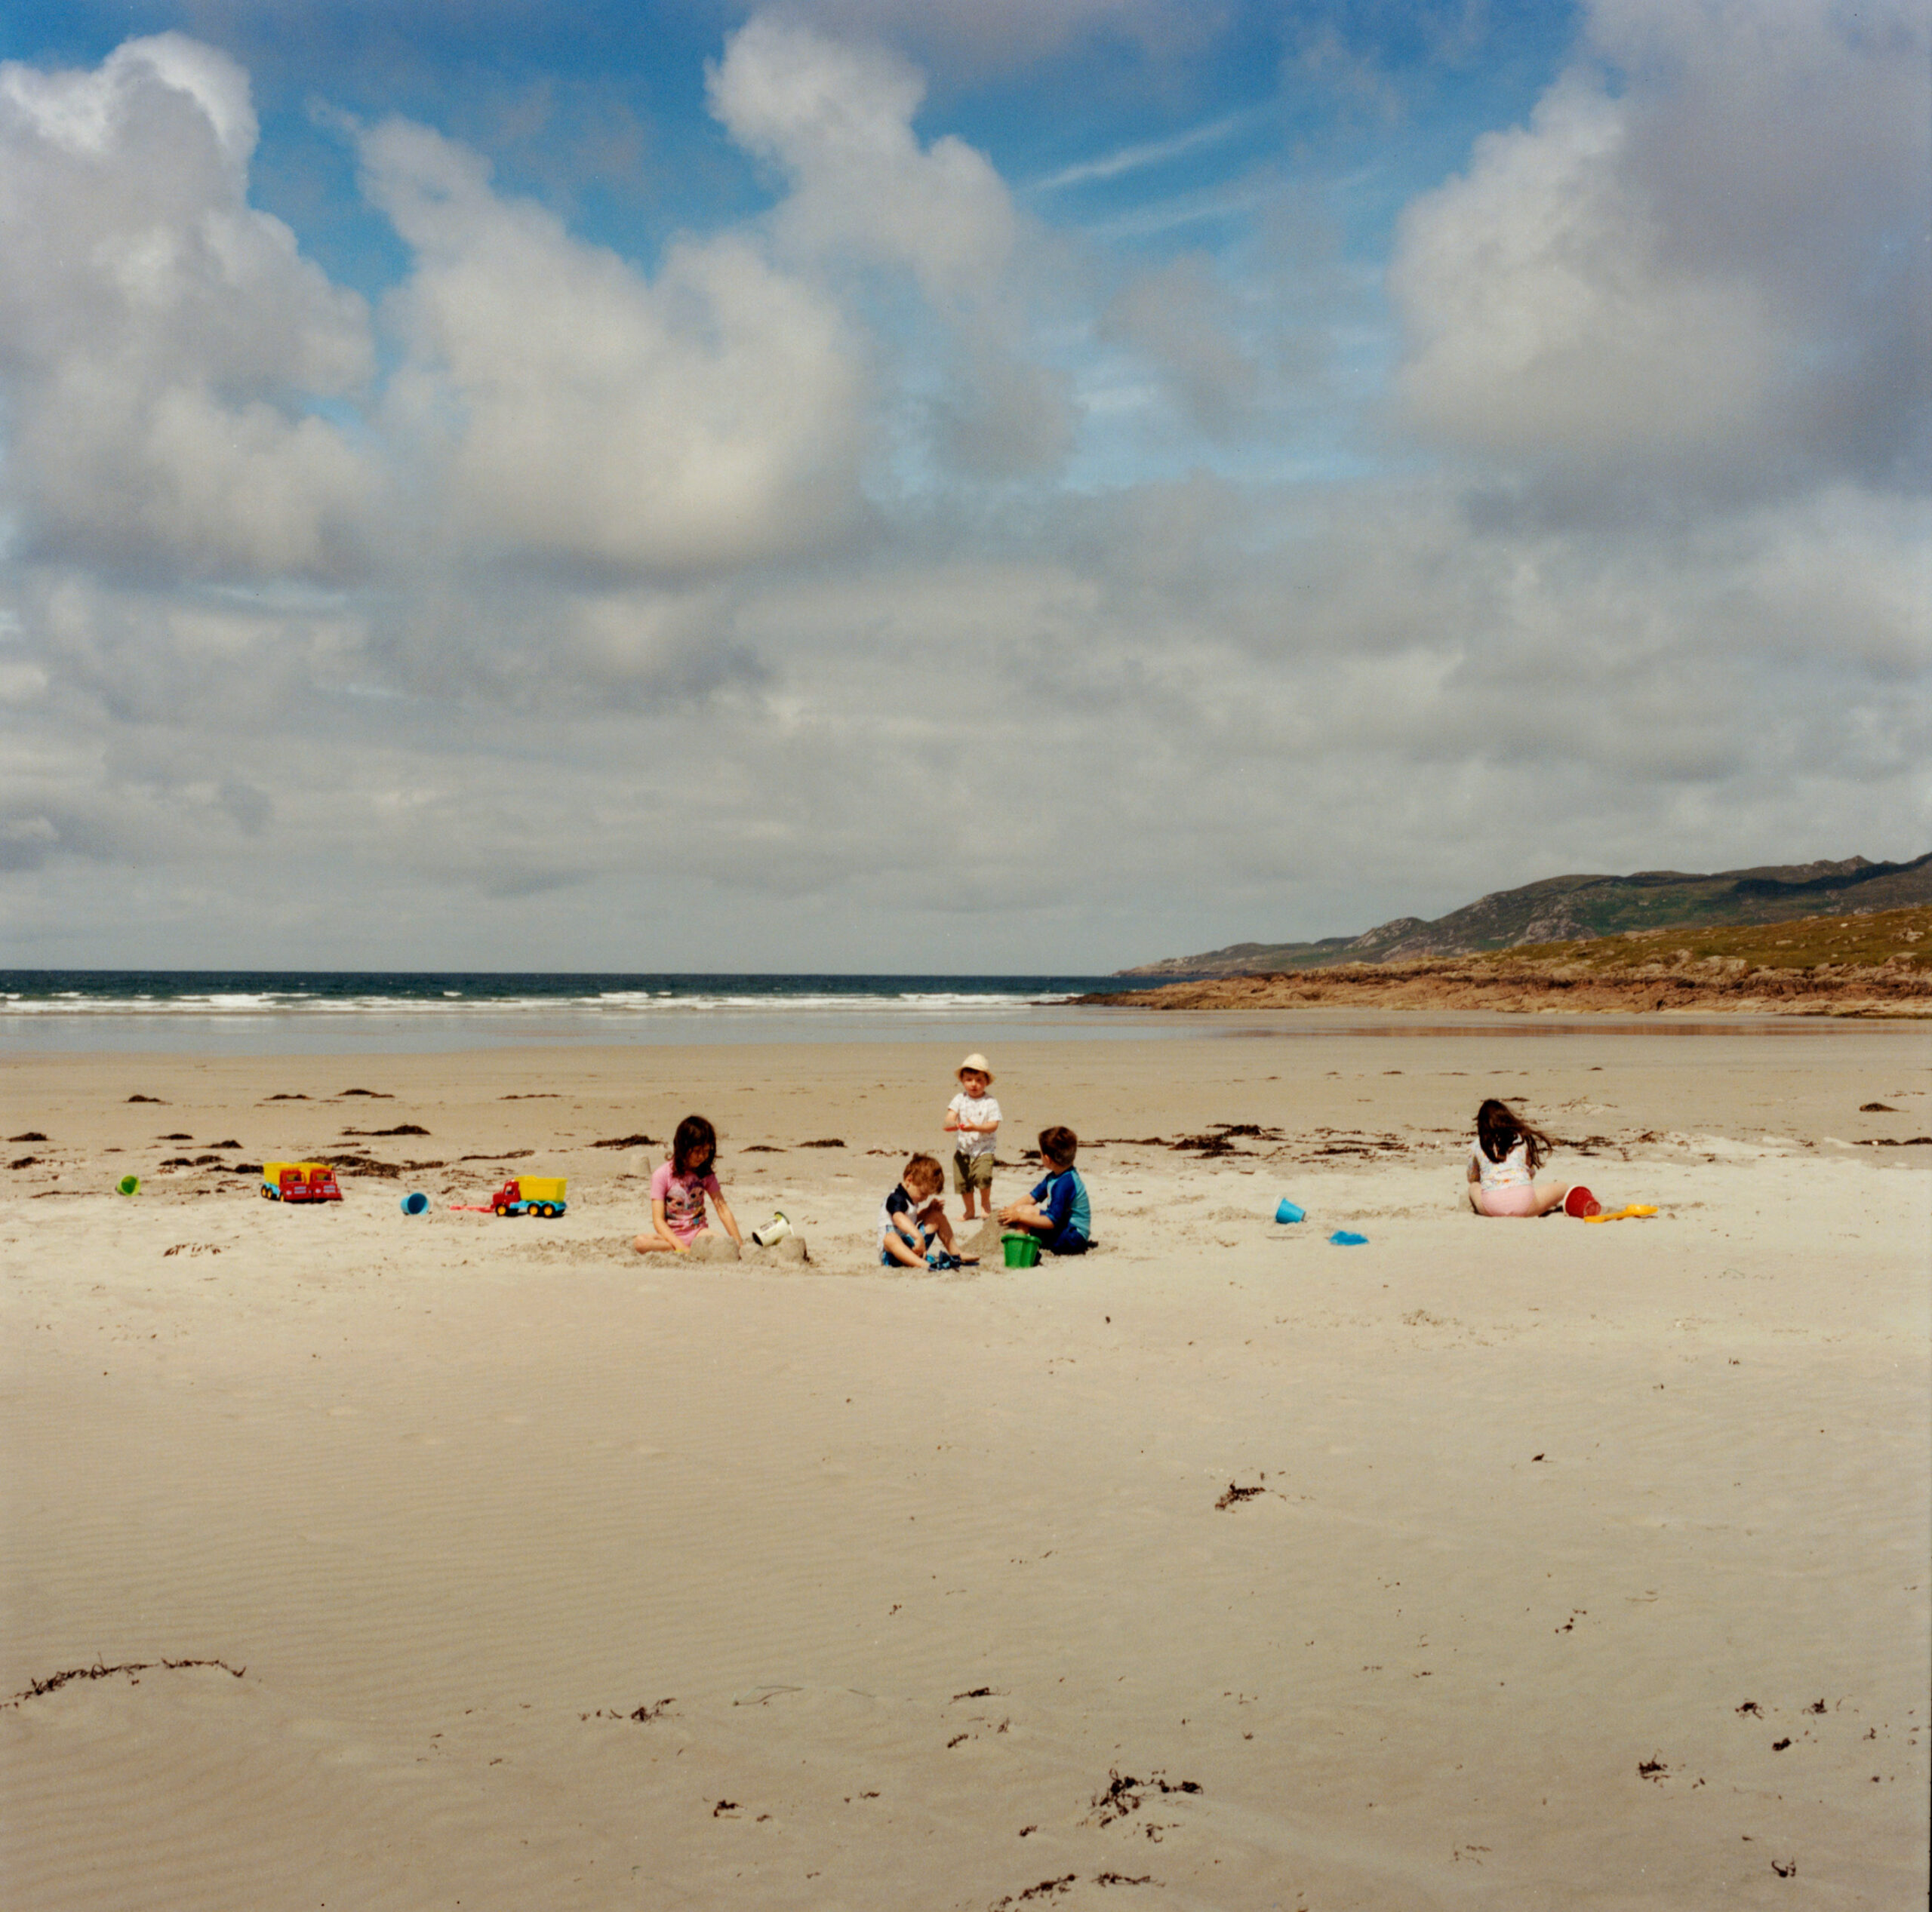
x=415, y=1204
x=1286, y=1211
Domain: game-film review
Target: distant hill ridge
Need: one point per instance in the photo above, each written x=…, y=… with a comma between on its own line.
x=1574, y=908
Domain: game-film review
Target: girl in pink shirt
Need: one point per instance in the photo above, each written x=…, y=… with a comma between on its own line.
x=677, y=1190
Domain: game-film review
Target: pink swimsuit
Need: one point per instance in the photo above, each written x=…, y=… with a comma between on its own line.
x=1508, y=1187
x=1509, y=1201
x=683, y=1196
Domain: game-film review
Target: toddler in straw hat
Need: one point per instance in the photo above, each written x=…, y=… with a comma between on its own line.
x=972, y=1118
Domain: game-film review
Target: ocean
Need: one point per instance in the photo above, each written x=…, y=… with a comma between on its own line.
x=305, y=1011
x=346, y=1012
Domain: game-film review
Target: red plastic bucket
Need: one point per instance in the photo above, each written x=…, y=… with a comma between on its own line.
x=1580, y=1202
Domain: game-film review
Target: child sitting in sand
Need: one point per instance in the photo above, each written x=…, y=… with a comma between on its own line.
x=1504, y=1161
x=913, y=1216
x=1057, y=1211
x=972, y=1117
x=677, y=1190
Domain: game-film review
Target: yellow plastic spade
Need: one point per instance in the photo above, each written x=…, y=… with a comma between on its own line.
x=1635, y=1209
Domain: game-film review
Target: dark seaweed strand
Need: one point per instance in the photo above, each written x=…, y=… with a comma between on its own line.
x=55, y=1681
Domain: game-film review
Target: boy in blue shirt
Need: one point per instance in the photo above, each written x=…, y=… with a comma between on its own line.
x=1057, y=1210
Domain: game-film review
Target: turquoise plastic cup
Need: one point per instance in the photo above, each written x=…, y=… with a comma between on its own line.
x=1286, y=1211
x=415, y=1204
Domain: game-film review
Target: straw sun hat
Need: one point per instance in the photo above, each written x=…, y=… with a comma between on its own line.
x=978, y=1063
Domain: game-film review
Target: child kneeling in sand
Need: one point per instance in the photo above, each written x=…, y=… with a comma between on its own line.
x=677, y=1190
x=1504, y=1161
x=1057, y=1211
x=913, y=1215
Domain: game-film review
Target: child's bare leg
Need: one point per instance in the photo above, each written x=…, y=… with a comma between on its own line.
x=903, y=1251
x=653, y=1244
x=942, y=1228
x=1548, y=1195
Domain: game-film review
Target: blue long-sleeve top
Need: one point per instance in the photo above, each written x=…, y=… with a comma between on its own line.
x=1062, y=1198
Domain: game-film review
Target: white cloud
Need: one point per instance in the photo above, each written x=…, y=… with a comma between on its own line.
x=1132, y=158
x=712, y=415
x=1707, y=270
x=973, y=39
x=161, y=340
x=85, y=113
x=1544, y=321
x=838, y=118
x=863, y=192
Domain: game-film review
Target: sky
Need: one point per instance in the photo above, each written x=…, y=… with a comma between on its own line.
x=958, y=486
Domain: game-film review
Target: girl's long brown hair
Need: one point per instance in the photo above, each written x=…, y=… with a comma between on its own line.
x=1499, y=1128
x=695, y=1137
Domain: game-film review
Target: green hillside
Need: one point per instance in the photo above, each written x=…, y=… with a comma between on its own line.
x=1573, y=908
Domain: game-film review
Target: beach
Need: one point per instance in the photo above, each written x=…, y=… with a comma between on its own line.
x=1488, y=1563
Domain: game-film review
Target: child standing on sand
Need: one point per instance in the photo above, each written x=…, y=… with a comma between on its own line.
x=913, y=1216
x=677, y=1190
x=1057, y=1211
x=972, y=1118
x=1504, y=1161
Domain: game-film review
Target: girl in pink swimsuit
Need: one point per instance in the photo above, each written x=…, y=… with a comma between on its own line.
x=678, y=1189
x=1503, y=1162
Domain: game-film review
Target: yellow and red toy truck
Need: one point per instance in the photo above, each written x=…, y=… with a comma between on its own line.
x=300, y=1182
x=531, y=1194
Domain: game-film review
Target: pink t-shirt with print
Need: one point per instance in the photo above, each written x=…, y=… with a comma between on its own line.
x=683, y=1196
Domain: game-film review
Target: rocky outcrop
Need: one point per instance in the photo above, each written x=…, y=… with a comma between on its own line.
x=1564, y=908
x=1875, y=964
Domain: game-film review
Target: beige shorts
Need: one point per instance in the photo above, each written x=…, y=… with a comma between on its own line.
x=972, y=1171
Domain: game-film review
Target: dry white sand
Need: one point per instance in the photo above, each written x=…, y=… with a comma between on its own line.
x=1589, y=1567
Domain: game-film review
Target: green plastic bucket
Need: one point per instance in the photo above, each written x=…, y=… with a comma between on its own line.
x=1022, y=1251
x=128, y=1185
